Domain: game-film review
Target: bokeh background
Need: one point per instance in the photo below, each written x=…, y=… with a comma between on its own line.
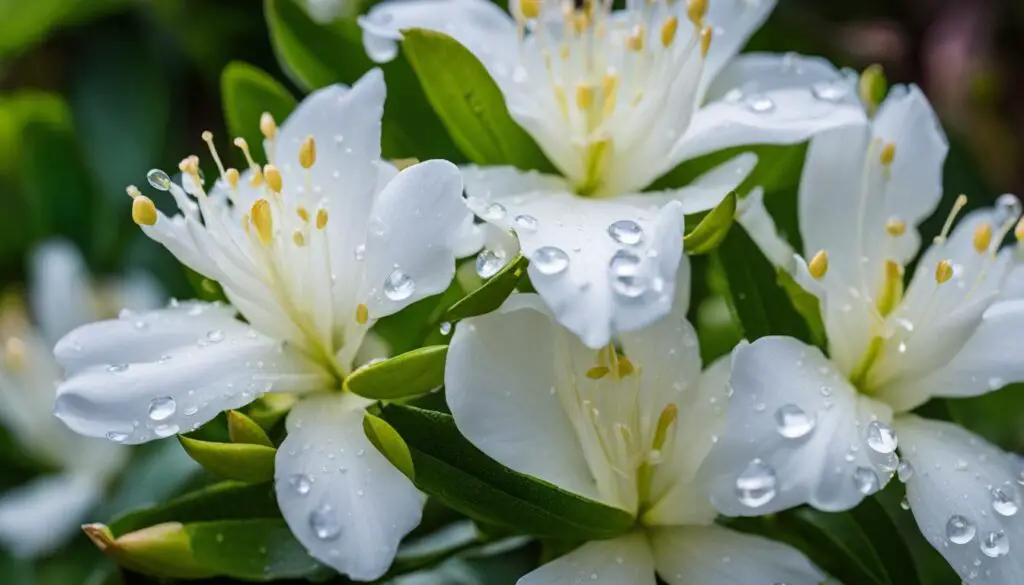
x=93, y=93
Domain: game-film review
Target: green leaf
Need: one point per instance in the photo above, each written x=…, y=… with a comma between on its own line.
x=162, y=550
x=258, y=550
x=451, y=469
x=469, y=102
x=807, y=305
x=238, y=461
x=389, y=443
x=248, y=92
x=757, y=302
x=227, y=500
x=839, y=546
x=931, y=568
x=27, y=23
x=242, y=429
x=712, y=229
x=269, y=410
x=892, y=549
x=415, y=372
x=492, y=294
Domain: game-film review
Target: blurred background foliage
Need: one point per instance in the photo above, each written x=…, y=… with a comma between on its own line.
x=93, y=93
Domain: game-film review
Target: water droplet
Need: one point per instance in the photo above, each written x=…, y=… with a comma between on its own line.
x=324, y=523
x=881, y=437
x=494, y=211
x=215, y=336
x=399, y=286
x=446, y=328
x=865, y=480
x=359, y=252
x=755, y=487
x=995, y=383
x=792, y=422
x=190, y=411
x=489, y=262
x=627, y=280
x=960, y=530
x=550, y=260
x=158, y=180
x=733, y=96
x=904, y=503
x=164, y=431
x=161, y=408
x=904, y=471
x=995, y=544
x=626, y=231
x=526, y=223
x=760, y=103
x=300, y=483
x=830, y=91
x=117, y=368
x=117, y=437
x=1008, y=209
x=1002, y=502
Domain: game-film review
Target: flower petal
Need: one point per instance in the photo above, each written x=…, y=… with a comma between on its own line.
x=499, y=379
x=132, y=380
x=343, y=500
x=59, y=289
x=36, y=518
x=626, y=559
x=413, y=235
x=690, y=555
x=796, y=433
x=707, y=190
x=965, y=498
x=734, y=22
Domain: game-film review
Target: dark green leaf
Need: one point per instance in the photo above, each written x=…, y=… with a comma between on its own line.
x=248, y=92
x=227, y=500
x=259, y=550
x=712, y=229
x=839, y=546
x=238, y=461
x=415, y=372
x=885, y=538
x=931, y=568
x=492, y=294
x=451, y=469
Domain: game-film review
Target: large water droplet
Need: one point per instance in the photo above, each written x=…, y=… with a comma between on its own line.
x=300, y=483
x=995, y=544
x=627, y=280
x=760, y=103
x=550, y=260
x=755, y=487
x=865, y=480
x=1008, y=209
x=161, y=408
x=960, y=530
x=792, y=422
x=489, y=262
x=324, y=523
x=1003, y=501
x=526, y=223
x=399, y=286
x=881, y=437
x=494, y=211
x=904, y=471
x=830, y=91
x=158, y=180
x=626, y=231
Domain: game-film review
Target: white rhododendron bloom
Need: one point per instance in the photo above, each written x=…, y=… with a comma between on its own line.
x=616, y=99
x=627, y=427
x=38, y=517
x=828, y=431
x=310, y=249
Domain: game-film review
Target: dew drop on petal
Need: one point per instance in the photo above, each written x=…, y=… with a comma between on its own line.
x=792, y=422
x=164, y=431
x=359, y=252
x=865, y=480
x=830, y=91
x=215, y=336
x=300, y=483
x=161, y=408
x=755, y=487
x=399, y=286
x=526, y=223
x=489, y=262
x=117, y=437
x=117, y=368
x=494, y=211
x=627, y=280
x=1002, y=502
x=960, y=530
x=626, y=231
x=158, y=179
x=904, y=471
x=880, y=437
x=760, y=103
x=550, y=260
x=324, y=523
x=995, y=544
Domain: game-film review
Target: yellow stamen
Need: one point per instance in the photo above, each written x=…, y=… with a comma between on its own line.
x=895, y=227
x=943, y=271
x=245, y=223
x=530, y=8
x=244, y=147
x=208, y=139
x=888, y=154
x=362, y=314
x=14, y=354
x=668, y=30
x=818, y=265
x=982, y=237
x=961, y=200
x=231, y=175
x=597, y=372
x=299, y=238
x=892, y=288
x=307, y=153
x=705, y=40
x=263, y=219
x=273, y=177
x=695, y=10
x=321, y=218
x=143, y=210
x=635, y=41
x=1018, y=232
x=584, y=96
x=609, y=85
x=268, y=126
x=580, y=22
x=303, y=213
x=665, y=421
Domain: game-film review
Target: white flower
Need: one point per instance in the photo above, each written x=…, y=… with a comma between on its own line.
x=616, y=99
x=823, y=430
x=310, y=249
x=38, y=517
x=628, y=429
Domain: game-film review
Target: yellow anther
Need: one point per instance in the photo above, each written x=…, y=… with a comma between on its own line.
x=321, y=218
x=303, y=213
x=580, y=22
x=635, y=41
x=584, y=96
x=982, y=237
x=1018, y=232
x=624, y=367
x=14, y=354
x=892, y=288
x=257, y=177
x=668, y=30
x=268, y=126
x=231, y=175
x=961, y=200
x=705, y=40
x=362, y=314
x=263, y=220
x=597, y=372
x=943, y=271
x=665, y=421
x=895, y=227
x=530, y=8
x=888, y=154
x=143, y=210
x=818, y=265
x=609, y=89
x=696, y=10
x=299, y=238
x=273, y=177
x=307, y=152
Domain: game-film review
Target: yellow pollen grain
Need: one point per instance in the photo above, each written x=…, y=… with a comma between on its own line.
x=888, y=154
x=307, y=152
x=299, y=238
x=818, y=265
x=321, y=218
x=895, y=227
x=303, y=213
x=982, y=237
x=668, y=30
x=635, y=41
x=530, y=8
x=263, y=219
x=273, y=177
x=597, y=372
x=14, y=354
x=695, y=10
x=268, y=126
x=943, y=271
x=232, y=177
x=143, y=210
x=705, y=40
x=362, y=314
x=584, y=96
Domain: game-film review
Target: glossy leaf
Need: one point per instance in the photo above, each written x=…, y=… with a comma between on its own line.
x=492, y=294
x=451, y=469
x=238, y=461
x=247, y=92
x=839, y=546
x=412, y=373
x=892, y=549
x=258, y=550
x=229, y=500
x=389, y=443
x=242, y=429
x=712, y=229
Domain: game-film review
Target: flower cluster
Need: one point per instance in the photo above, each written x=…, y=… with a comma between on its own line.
x=576, y=405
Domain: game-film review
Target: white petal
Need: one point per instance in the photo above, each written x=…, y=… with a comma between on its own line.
x=178, y=370
x=956, y=474
x=758, y=223
x=480, y=26
x=413, y=235
x=501, y=182
x=693, y=555
x=500, y=381
x=60, y=290
x=779, y=107
x=35, y=519
x=707, y=190
x=626, y=559
x=342, y=499
x=780, y=388
x=734, y=21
